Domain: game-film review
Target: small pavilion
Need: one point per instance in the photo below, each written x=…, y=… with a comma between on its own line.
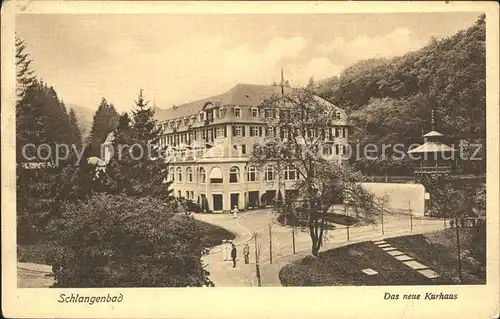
x=434, y=156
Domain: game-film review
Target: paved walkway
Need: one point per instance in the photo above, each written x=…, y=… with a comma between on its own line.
x=223, y=275
x=407, y=260
x=259, y=221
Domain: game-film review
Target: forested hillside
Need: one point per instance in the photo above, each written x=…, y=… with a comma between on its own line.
x=389, y=100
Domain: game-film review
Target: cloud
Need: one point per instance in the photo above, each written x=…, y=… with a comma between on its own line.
x=318, y=68
x=194, y=68
x=397, y=42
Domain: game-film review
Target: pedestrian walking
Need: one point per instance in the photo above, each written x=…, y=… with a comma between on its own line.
x=235, y=212
x=233, y=255
x=246, y=253
x=225, y=247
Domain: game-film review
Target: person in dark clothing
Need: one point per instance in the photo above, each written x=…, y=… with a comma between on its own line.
x=233, y=255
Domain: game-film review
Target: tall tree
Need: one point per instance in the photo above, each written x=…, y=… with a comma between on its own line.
x=25, y=76
x=141, y=169
x=76, y=137
x=300, y=139
x=105, y=121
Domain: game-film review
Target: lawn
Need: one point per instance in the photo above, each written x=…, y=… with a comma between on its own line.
x=342, y=266
x=212, y=235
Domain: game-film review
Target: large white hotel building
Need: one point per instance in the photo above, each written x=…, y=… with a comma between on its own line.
x=213, y=139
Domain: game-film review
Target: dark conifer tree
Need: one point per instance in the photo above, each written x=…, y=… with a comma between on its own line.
x=105, y=121
x=139, y=170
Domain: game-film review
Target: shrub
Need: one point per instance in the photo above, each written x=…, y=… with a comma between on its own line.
x=116, y=241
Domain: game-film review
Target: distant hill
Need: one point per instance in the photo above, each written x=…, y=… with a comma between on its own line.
x=85, y=117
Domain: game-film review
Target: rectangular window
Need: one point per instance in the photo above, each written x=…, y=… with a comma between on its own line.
x=327, y=149
x=201, y=116
x=337, y=132
x=254, y=131
x=237, y=112
x=255, y=113
x=269, y=131
x=237, y=131
x=219, y=132
x=267, y=113
x=243, y=149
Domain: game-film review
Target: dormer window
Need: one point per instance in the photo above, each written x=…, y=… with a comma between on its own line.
x=186, y=121
x=210, y=116
x=178, y=123
x=237, y=112
x=193, y=119
x=267, y=113
x=171, y=124
x=220, y=112
x=201, y=116
x=339, y=115
x=255, y=112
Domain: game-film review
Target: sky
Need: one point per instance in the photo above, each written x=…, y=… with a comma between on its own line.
x=181, y=58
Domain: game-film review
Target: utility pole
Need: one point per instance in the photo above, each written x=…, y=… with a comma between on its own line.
x=270, y=225
x=411, y=216
x=444, y=218
x=257, y=257
x=383, y=207
x=458, y=252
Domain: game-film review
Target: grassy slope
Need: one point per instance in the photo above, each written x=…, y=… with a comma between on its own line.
x=438, y=251
x=213, y=235
x=342, y=266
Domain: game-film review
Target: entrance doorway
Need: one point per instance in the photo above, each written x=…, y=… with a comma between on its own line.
x=217, y=202
x=235, y=200
x=253, y=199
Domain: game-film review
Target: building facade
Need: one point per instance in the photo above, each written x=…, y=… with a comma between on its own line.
x=210, y=143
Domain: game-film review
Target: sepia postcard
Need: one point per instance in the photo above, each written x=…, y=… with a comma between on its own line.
x=282, y=159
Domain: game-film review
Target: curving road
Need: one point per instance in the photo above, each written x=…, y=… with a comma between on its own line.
x=258, y=221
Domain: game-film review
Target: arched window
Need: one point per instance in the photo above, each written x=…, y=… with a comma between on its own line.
x=234, y=174
x=189, y=175
x=216, y=175
x=252, y=174
x=171, y=175
x=179, y=174
x=202, y=175
x=339, y=115
x=290, y=173
x=269, y=173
